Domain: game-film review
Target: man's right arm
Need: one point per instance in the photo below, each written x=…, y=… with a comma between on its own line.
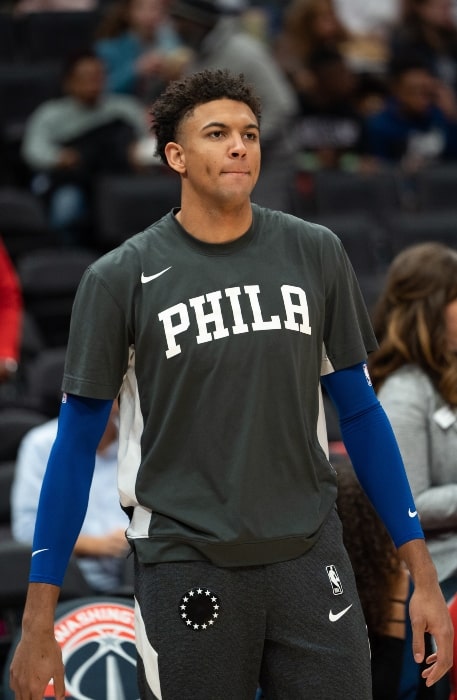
x=61, y=511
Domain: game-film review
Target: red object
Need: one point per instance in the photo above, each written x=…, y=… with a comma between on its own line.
x=10, y=307
x=453, y=671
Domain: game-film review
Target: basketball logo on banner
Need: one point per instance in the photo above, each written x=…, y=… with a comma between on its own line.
x=97, y=639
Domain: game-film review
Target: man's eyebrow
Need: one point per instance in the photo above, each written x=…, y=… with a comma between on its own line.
x=222, y=125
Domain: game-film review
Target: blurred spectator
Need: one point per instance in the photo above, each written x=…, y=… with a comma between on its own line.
x=412, y=130
x=25, y=6
x=101, y=546
x=330, y=129
x=139, y=47
x=429, y=28
x=308, y=26
x=70, y=141
x=10, y=316
x=213, y=32
x=368, y=17
x=274, y=11
x=384, y=587
x=369, y=23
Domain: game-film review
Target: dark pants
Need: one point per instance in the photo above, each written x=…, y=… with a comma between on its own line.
x=295, y=627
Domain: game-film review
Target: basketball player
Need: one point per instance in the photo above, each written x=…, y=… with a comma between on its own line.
x=216, y=324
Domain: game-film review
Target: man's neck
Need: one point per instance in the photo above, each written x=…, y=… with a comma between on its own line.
x=216, y=225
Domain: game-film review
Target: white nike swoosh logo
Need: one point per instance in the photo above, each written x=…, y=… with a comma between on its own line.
x=145, y=279
x=333, y=617
x=38, y=551
x=412, y=513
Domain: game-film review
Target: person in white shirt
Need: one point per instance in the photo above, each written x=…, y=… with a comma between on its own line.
x=101, y=547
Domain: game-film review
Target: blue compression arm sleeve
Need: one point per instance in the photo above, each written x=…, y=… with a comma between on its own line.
x=66, y=485
x=372, y=447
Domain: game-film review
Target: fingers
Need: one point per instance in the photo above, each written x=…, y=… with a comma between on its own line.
x=438, y=664
x=418, y=629
x=33, y=666
x=25, y=688
x=429, y=614
x=59, y=687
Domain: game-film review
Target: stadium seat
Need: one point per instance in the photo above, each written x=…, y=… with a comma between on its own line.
x=126, y=205
x=7, y=38
x=436, y=188
x=6, y=481
x=407, y=229
x=23, y=222
x=55, y=35
x=44, y=380
x=23, y=87
x=14, y=424
x=338, y=192
x=49, y=279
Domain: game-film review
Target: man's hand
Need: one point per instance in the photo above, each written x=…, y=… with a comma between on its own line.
x=68, y=158
x=38, y=657
x=112, y=544
x=428, y=612
x=36, y=660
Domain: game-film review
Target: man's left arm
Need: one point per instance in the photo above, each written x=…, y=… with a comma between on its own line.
x=375, y=456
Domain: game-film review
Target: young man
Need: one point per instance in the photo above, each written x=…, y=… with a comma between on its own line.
x=216, y=324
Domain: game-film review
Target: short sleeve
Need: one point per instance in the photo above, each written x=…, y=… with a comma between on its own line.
x=98, y=345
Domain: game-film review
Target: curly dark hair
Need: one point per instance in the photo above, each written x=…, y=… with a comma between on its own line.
x=409, y=319
x=371, y=550
x=180, y=97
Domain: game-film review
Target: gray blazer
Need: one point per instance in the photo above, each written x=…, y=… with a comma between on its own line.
x=426, y=430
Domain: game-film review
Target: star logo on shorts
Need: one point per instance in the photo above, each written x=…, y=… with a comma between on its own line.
x=199, y=608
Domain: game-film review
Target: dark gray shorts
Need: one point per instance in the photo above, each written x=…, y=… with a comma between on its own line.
x=297, y=628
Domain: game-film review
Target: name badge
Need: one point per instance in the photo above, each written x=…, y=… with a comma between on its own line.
x=445, y=417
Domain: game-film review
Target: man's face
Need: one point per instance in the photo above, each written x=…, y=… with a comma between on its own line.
x=437, y=13
x=145, y=16
x=219, y=152
x=87, y=81
x=415, y=91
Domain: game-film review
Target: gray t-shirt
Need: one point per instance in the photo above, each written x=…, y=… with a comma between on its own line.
x=217, y=352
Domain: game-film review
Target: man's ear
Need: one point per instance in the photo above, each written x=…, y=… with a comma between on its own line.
x=175, y=157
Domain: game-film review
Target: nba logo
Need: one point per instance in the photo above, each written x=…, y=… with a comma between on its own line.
x=334, y=579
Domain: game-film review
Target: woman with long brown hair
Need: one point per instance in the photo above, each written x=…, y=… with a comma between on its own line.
x=308, y=25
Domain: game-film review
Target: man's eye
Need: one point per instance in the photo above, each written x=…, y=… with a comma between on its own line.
x=251, y=136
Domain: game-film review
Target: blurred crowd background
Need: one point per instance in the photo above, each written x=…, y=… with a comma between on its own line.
x=359, y=129
x=359, y=125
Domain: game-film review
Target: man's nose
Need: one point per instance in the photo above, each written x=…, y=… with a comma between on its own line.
x=238, y=146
